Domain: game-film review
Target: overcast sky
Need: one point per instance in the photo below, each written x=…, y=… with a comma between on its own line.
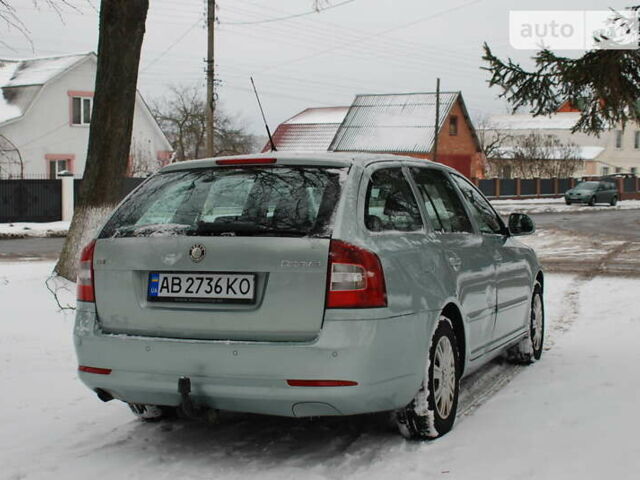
x=323, y=59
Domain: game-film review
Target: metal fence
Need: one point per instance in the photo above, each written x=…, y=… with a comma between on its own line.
x=41, y=200
x=30, y=200
x=128, y=184
x=628, y=186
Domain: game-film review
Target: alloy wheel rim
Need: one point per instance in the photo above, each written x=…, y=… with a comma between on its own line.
x=536, y=322
x=444, y=377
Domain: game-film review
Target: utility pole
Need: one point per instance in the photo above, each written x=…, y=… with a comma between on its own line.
x=211, y=21
x=436, y=129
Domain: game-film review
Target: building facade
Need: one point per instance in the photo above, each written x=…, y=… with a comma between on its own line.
x=614, y=151
x=45, y=114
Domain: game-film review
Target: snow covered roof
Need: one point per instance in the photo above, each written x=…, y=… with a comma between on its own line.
x=309, y=131
x=16, y=75
x=392, y=123
x=525, y=121
x=319, y=115
x=583, y=152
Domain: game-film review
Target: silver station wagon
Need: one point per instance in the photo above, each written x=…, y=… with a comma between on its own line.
x=305, y=286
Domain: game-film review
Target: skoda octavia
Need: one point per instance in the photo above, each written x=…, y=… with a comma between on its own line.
x=303, y=286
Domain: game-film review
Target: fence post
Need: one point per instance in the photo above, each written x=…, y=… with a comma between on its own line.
x=538, y=187
x=67, y=195
x=497, y=185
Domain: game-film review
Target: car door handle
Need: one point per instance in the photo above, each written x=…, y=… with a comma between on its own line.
x=455, y=262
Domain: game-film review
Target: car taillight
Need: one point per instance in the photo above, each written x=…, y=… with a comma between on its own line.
x=356, y=279
x=85, y=274
x=321, y=383
x=94, y=370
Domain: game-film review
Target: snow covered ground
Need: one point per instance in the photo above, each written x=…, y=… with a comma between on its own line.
x=556, y=205
x=574, y=415
x=31, y=229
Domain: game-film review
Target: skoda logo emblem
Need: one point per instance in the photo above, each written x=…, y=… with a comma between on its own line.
x=197, y=253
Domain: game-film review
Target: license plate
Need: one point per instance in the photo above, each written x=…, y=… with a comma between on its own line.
x=202, y=287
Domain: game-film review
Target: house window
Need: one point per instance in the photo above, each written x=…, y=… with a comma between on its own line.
x=57, y=166
x=618, y=170
x=453, y=125
x=605, y=171
x=636, y=140
x=618, y=138
x=81, y=110
x=634, y=171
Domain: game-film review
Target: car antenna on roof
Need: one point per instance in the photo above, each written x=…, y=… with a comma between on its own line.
x=266, y=125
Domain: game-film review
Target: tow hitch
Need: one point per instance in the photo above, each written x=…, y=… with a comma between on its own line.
x=187, y=406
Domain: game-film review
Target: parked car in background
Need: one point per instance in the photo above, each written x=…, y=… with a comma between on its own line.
x=304, y=286
x=602, y=191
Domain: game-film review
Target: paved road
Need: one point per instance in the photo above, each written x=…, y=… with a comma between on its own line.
x=622, y=224
x=45, y=248
x=590, y=243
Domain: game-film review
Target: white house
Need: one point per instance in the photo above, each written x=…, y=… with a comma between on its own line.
x=45, y=112
x=614, y=151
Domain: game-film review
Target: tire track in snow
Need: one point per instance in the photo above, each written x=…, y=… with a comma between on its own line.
x=480, y=386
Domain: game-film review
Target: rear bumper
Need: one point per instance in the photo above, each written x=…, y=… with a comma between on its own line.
x=386, y=357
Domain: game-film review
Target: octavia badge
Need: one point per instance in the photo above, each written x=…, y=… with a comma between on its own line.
x=197, y=253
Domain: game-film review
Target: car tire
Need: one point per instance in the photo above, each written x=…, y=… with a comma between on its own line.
x=151, y=413
x=568, y=202
x=614, y=201
x=432, y=411
x=592, y=201
x=530, y=348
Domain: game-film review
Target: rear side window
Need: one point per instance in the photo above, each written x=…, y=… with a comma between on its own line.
x=290, y=201
x=390, y=204
x=488, y=221
x=441, y=201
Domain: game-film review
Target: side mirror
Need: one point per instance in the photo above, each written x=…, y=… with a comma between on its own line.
x=521, y=224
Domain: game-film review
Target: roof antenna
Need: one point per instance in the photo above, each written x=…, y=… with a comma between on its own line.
x=273, y=146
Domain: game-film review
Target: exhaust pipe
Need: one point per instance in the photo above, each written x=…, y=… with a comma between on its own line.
x=103, y=395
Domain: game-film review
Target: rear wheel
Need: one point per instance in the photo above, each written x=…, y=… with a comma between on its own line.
x=614, y=201
x=592, y=201
x=530, y=348
x=432, y=412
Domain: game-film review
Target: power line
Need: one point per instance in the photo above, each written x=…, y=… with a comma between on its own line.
x=173, y=44
x=288, y=17
x=351, y=33
x=376, y=34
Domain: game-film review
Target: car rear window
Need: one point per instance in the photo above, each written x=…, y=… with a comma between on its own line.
x=289, y=201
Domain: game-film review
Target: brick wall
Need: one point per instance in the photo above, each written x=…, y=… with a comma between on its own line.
x=460, y=144
x=458, y=151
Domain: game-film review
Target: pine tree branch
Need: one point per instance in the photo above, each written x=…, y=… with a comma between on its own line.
x=603, y=84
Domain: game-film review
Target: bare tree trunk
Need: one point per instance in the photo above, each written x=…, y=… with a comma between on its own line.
x=122, y=27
